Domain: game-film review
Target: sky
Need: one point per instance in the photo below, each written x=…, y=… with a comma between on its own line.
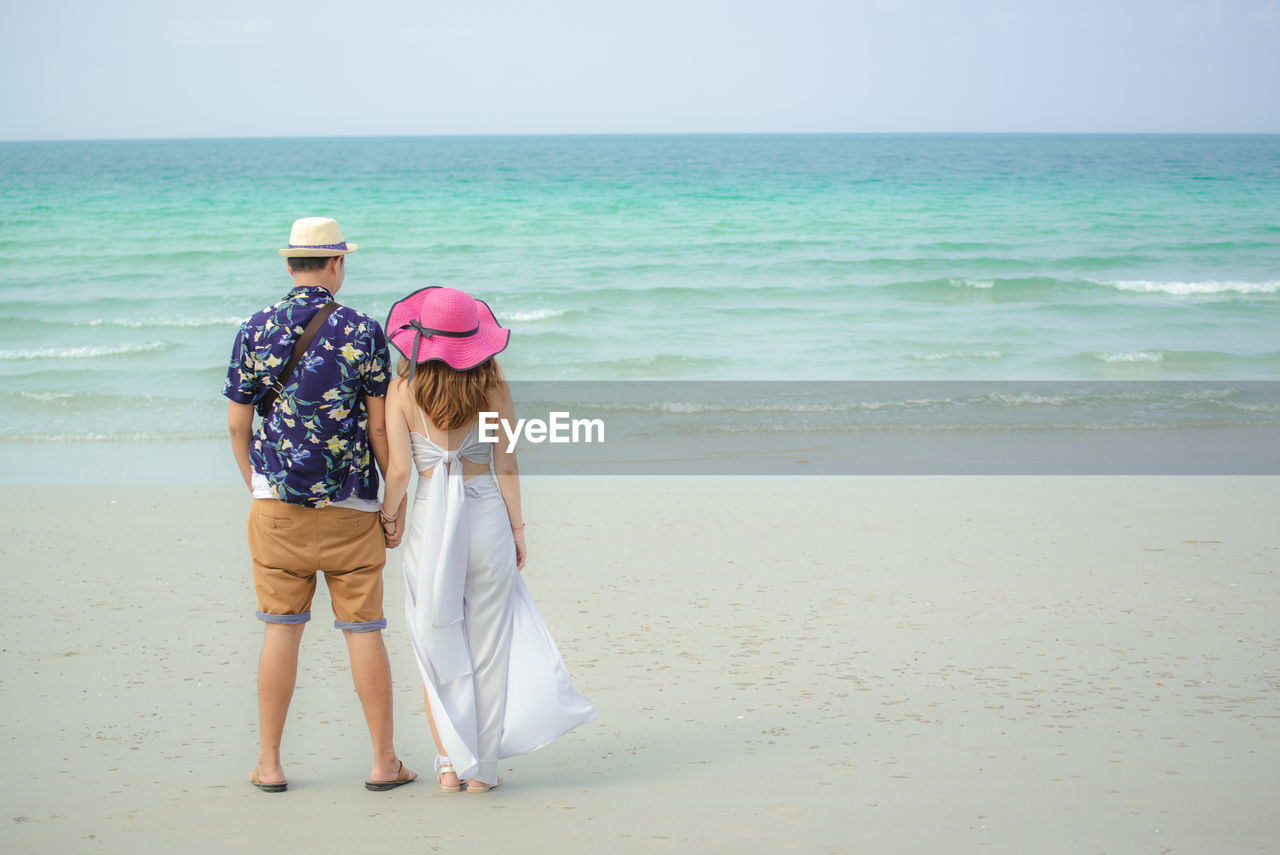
x=249, y=68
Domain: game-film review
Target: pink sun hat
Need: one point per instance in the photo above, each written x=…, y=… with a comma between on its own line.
x=445, y=324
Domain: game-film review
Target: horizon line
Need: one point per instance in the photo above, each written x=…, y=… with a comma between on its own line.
x=264, y=137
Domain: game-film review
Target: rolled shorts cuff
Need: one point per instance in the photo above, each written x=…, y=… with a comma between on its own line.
x=361, y=626
x=302, y=617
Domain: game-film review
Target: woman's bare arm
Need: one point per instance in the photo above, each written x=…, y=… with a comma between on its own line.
x=507, y=471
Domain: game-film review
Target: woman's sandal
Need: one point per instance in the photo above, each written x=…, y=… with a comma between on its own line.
x=477, y=787
x=443, y=766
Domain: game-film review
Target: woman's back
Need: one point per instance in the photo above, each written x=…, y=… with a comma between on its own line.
x=431, y=444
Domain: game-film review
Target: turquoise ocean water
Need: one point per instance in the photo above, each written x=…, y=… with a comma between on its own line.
x=125, y=267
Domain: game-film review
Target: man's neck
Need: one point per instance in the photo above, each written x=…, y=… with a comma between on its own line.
x=318, y=279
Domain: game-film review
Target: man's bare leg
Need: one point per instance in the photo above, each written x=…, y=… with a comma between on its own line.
x=371, y=671
x=277, y=674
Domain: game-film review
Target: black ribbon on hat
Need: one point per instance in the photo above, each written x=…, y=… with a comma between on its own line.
x=422, y=332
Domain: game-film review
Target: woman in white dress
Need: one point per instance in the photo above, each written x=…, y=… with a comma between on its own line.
x=495, y=683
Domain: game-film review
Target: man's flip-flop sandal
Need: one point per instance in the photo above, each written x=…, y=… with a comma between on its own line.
x=403, y=777
x=267, y=788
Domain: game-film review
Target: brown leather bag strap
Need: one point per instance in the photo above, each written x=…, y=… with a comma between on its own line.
x=299, y=348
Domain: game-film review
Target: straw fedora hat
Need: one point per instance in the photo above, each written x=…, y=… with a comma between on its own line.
x=445, y=324
x=316, y=236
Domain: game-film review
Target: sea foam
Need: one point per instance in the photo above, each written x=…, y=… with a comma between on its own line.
x=146, y=323
x=964, y=354
x=1182, y=289
x=1131, y=356
x=89, y=352
x=531, y=315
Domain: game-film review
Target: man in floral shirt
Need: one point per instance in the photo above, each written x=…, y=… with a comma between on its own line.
x=309, y=466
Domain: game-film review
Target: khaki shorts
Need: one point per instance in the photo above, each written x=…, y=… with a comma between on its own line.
x=291, y=543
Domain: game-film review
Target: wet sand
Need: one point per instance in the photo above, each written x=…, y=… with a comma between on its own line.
x=1019, y=664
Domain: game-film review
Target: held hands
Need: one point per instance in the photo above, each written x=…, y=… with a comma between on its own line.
x=393, y=526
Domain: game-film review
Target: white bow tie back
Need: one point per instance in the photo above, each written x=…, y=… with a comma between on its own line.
x=443, y=556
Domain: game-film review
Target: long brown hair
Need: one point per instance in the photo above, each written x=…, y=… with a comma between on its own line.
x=449, y=397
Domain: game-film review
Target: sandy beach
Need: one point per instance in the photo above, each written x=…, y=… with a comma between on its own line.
x=930, y=664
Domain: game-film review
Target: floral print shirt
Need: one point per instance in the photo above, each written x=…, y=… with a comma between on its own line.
x=313, y=447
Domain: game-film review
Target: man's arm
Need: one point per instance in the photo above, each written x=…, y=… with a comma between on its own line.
x=377, y=410
x=240, y=424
